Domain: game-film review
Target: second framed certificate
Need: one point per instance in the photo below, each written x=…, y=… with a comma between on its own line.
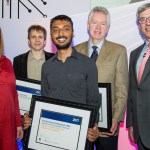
x=105, y=111
x=26, y=88
x=59, y=125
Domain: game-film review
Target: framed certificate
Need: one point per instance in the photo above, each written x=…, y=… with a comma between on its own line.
x=59, y=125
x=26, y=88
x=105, y=111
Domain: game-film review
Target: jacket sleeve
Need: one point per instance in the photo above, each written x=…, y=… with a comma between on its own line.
x=129, y=100
x=44, y=84
x=121, y=85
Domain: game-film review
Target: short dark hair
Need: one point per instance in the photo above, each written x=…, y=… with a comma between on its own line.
x=61, y=18
x=37, y=28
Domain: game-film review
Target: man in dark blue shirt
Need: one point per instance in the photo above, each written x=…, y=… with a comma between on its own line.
x=71, y=80
x=70, y=75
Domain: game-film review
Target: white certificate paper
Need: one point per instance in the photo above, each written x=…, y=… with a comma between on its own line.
x=25, y=91
x=55, y=125
x=102, y=111
x=105, y=111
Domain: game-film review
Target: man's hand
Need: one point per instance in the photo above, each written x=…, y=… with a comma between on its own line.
x=113, y=128
x=19, y=133
x=26, y=121
x=130, y=133
x=93, y=133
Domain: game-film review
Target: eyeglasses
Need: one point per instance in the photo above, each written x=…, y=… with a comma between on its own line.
x=143, y=20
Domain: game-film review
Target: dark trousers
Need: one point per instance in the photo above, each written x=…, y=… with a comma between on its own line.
x=107, y=143
x=141, y=146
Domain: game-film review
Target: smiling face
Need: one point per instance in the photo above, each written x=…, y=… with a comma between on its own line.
x=36, y=40
x=98, y=27
x=62, y=34
x=145, y=27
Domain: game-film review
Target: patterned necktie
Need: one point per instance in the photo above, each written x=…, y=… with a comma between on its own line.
x=143, y=63
x=95, y=53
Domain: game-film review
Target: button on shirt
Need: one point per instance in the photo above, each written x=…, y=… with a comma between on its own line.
x=73, y=80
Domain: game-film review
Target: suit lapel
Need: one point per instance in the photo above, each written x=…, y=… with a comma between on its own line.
x=136, y=56
x=146, y=70
x=24, y=64
x=84, y=49
x=135, y=59
x=103, y=53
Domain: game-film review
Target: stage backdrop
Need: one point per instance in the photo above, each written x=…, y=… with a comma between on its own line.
x=17, y=16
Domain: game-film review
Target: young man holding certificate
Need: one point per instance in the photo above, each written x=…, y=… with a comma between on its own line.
x=70, y=75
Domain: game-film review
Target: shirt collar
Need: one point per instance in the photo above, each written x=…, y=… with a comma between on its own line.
x=30, y=56
x=74, y=54
x=146, y=43
x=99, y=45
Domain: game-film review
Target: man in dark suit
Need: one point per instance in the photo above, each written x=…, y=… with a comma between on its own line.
x=35, y=57
x=138, y=105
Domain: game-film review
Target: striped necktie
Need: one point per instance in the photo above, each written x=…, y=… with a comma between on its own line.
x=95, y=53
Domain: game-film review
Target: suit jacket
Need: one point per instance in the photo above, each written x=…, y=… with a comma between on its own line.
x=20, y=64
x=112, y=67
x=138, y=105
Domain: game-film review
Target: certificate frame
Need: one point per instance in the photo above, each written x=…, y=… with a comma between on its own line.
x=26, y=88
x=105, y=111
x=40, y=135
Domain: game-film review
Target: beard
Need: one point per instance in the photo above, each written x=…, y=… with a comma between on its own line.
x=64, y=46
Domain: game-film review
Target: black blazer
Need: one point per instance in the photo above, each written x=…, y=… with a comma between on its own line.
x=20, y=64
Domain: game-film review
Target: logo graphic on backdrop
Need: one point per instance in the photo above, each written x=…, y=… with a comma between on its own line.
x=29, y=6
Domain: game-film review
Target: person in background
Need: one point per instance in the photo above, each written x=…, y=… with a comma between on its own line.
x=112, y=65
x=10, y=119
x=138, y=103
x=74, y=76
x=28, y=65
